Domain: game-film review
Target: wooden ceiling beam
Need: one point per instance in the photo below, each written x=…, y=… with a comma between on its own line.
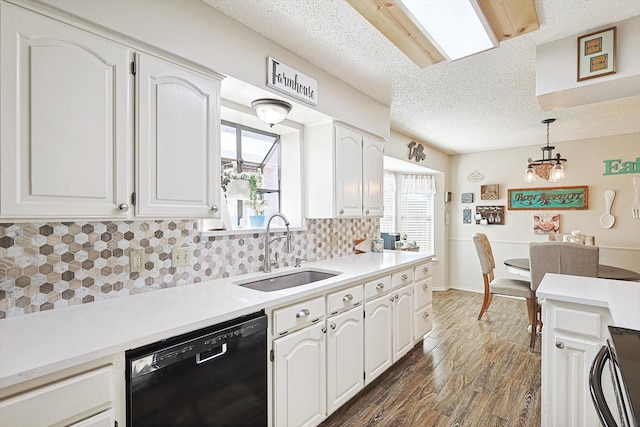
x=508, y=19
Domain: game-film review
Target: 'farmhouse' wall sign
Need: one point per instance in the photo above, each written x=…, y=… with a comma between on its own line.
x=416, y=151
x=292, y=82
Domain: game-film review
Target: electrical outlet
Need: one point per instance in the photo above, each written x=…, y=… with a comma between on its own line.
x=180, y=257
x=136, y=260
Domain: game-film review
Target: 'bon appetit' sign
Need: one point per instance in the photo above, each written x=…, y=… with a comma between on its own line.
x=549, y=198
x=292, y=82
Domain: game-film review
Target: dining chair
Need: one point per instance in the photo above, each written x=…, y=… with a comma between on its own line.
x=560, y=258
x=500, y=286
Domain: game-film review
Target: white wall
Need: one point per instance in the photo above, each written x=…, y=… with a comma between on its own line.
x=398, y=147
x=619, y=246
x=198, y=32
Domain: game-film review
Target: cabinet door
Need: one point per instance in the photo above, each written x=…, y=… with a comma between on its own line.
x=345, y=364
x=178, y=149
x=402, y=321
x=65, y=120
x=300, y=378
x=348, y=160
x=571, y=402
x=378, y=336
x=372, y=177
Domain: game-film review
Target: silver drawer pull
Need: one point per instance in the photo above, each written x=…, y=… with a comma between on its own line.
x=333, y=325
x=302, y=314
x=404, y=277
x=396, y=297
x=380, y=286
x=425, y=315
x=223, y=351
x=425, y=270
x=347, y=298
x=391, y=299
x=560, y=345
x=425, y=286
x=123, y=207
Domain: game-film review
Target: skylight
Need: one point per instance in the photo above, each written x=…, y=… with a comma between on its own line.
x=458, y=27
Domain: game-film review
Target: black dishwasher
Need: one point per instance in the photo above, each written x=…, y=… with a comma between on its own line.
x=213, y=377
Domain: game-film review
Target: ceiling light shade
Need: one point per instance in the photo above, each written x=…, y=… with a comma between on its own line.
x=549, y=167
x=271, y=111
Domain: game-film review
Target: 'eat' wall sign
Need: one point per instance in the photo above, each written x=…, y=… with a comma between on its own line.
x=618, y=167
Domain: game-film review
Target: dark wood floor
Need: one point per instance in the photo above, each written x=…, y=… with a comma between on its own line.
x=466, y=372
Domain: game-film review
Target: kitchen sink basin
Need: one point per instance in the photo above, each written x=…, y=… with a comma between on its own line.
x=287, y=280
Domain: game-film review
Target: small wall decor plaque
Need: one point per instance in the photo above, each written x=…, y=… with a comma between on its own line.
x=416, y=151
x=597, y=54
x=546, y=223
x=467, y=198
x=490, y=192
x=475, y=176
x=549, y=198
x=466, y=216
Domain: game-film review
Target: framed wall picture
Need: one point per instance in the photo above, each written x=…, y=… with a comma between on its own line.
x=597, y=54
x=490, y=192
x=546, y=223
x=466, y=216
x=466, y=197
x=557, y=198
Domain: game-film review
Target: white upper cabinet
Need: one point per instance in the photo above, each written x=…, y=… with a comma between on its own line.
x=65, y=120
x=344, y=172
x=178, y=124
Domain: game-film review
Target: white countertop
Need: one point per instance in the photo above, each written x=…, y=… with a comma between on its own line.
x=620, y=297
x=37, y=344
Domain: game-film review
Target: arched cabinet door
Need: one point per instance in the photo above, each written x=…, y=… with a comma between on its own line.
x=348, y=179
x=178, y=148
x=65, y=120
x=372, y=177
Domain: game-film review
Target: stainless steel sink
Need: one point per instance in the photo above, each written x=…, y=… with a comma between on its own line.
x=287, y=280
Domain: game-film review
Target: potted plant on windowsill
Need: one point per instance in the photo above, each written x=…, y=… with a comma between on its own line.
x=255, y=202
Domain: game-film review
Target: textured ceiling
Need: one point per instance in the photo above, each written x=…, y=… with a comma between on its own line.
x=478, y=103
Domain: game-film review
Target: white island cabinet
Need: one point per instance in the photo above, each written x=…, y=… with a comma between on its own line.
x=344, y=172
x=576, y=312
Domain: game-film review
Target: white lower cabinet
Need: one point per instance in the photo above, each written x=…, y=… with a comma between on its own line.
x=422, y=298
x=402, y=321
x=88, y=395
x=378, y=336
x=345, y=361
x=572, y=336
x=300, y=377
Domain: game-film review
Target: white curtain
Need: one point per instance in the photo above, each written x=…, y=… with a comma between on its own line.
x=418, y=184
x=389, y=181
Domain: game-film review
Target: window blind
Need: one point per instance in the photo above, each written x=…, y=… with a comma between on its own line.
x=416, y=210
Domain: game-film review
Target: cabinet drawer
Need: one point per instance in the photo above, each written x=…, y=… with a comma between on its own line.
x=62, y=401
x=423, y=270
x=423, y=321
x=576, y=321
x=377, y=287
x=298, y=315
x=402, y=277
x=344, y=299
x=423, y=293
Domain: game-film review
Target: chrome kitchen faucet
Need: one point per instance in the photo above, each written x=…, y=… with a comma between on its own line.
x=267, y=242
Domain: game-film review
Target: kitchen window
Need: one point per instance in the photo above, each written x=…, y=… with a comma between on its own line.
x=408, y=208
x=252, y=150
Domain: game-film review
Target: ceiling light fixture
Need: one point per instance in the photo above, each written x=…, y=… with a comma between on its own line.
x=271, y=111
x=458, y=27
x=549, y=166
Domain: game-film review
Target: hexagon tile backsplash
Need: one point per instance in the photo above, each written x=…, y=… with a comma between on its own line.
x=50, y=265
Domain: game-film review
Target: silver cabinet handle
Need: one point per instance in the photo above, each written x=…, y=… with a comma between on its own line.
x=380, y=286
x=347, y=298
x=425, y=270
x=425, y=286
x=333, y=326
x=341, y=211
x=302, y=314
x=404, y=277
x=560, y=345
x=123, y=207
x=425, y=315
x=367, y=212
x=396, y=297
x=324, y=330
x=391, y=299
x=214, y=208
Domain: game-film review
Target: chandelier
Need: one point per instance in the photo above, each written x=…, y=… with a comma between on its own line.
x=549, y=167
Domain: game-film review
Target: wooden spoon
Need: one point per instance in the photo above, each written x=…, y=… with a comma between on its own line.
x=607, y=220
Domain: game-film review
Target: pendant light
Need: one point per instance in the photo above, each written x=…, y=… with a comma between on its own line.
x=549, y=166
